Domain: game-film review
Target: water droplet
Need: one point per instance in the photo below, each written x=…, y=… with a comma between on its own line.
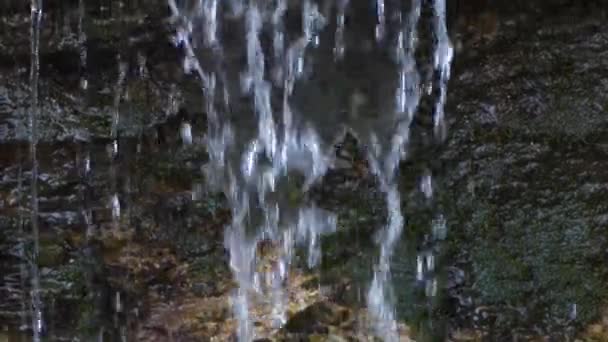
x=115, y=205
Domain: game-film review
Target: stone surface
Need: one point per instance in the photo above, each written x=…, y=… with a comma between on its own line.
x=521, y=182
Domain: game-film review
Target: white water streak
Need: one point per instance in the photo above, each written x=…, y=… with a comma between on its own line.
x=381, y=17
x=34, y=113
x=442, y=62
x=82, y=44
x=339, y=43
x=385, y=166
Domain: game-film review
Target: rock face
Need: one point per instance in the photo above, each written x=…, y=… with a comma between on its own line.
x=93, y=61
x=524, y=176
x=521, y=182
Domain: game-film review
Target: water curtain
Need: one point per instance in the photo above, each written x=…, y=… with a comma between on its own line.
x=253, y=165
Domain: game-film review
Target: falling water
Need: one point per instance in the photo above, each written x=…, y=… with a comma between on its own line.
x=118, y=92
x=254, y=165
x=82, y=47
x=381, y=25
x=23, y=267
x=384, y=158
x=442, y=61
x=339, y=47
x=34, y=113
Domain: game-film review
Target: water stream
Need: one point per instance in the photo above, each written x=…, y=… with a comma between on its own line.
x=34, y=113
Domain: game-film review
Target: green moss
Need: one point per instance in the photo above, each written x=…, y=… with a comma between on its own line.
x=51, y=255
x=540, y=264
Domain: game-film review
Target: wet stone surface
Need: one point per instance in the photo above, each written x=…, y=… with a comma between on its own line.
x=133, y=246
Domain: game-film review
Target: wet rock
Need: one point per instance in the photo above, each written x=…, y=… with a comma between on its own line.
x=528, y=121
x=467, y=335
x=51, y=255
x=596, y=331
x=455, y=276
x=521, y=178
x=316, y=318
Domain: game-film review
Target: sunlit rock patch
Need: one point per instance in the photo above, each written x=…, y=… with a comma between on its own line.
x=597, y=331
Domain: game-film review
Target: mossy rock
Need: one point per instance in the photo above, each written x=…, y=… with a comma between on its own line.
x=51, y=255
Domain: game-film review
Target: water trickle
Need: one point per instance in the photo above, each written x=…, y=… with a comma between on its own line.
x=426, y=185
x=118, y=93
x=442, y=62
x=312, y=21
x=115, y=205
x=381, y=25
x=82, y=45
x=384, y=159
x=22, y=253
x=209, y=9
x=34, y=113
x=339, y=44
